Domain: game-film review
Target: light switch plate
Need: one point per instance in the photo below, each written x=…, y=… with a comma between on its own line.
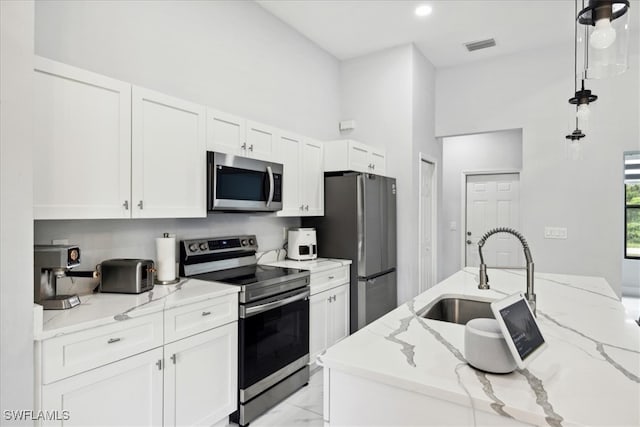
x=555, y=233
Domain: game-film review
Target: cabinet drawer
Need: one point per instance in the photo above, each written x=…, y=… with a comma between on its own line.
x=81, y=351
x=191, y=319
x=329, y=279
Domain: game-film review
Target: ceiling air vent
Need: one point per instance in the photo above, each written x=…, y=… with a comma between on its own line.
x=482, y=44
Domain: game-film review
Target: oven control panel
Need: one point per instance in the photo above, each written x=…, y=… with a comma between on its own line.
x=214, y=245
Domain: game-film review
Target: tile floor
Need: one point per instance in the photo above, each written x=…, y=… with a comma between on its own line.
x=303, y=408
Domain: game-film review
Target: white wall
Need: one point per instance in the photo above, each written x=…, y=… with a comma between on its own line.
x=16, y=207
x=230, y=55
x=530, y=91
x=390, y=95
x=481, y=152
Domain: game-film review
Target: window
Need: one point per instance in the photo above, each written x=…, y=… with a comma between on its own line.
x=632, y=204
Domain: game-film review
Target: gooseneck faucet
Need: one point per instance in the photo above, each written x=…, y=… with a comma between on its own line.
x=484, y=279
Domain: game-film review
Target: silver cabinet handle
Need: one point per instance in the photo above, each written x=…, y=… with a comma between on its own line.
x=159, y=364
x=306, y=208
x=173, y=359
x=251, y=147
x=206, y=313
x=126, y=205
x=301, y=207
x=141, y=204
x=112, y=340
x=244, y=146
x=332, y=277
x=373, y=166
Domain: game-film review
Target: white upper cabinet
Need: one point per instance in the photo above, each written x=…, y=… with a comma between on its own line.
x=168, y=157
x=312, y=161
x=231, y=134
x=82, y=143
x=303, y=182
x=352, y=155
x=226, y=133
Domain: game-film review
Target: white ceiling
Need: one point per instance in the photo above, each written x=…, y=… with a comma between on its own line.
x=351, y=28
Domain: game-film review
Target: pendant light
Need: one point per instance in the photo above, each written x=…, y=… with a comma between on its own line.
x=582, y=98
x=606, y=40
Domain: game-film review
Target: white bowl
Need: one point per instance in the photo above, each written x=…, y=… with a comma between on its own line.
x=485, y=347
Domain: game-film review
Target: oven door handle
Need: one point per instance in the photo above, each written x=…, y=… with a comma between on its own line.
x=252, y=311
x=271, y=185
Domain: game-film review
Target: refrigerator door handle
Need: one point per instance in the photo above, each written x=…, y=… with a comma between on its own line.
x=360, y=217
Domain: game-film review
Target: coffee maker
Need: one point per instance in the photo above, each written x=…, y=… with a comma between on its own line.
x=53, y=262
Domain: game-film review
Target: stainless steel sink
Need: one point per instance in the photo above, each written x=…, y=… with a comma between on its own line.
x=457, y=309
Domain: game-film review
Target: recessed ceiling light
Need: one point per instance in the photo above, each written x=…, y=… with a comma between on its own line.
x=423, y=10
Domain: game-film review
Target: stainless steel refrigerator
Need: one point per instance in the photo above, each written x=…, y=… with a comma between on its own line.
x=360, y=224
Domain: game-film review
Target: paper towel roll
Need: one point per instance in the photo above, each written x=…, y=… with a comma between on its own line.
x=166, y=258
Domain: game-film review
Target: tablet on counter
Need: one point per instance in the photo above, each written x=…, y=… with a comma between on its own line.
x=519, y=327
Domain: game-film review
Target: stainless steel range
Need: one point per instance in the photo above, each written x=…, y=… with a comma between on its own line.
x=273, y=326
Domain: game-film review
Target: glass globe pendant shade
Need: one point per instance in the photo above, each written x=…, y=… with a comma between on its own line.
x=604, y=48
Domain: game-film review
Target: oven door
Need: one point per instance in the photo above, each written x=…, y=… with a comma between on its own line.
x=273, y=341
x=237, y=183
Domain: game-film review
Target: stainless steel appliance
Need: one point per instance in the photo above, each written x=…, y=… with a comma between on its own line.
x=302, y=244
x=126, y=275
x=237, y=183
x=360, y=224
x=273, y=324
x=50, y=263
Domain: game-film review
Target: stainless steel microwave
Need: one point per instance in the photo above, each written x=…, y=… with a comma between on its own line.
x=242, y=184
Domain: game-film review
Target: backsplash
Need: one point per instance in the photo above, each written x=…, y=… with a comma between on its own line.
x=132, y=238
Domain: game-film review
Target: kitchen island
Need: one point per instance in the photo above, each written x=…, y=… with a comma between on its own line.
x=404, y=369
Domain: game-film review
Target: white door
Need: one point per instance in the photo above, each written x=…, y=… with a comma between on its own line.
x=318, y=308
x=291, y=146
x=261, y=141
x=127, y=392
x=226, y=133
x=338, y=314
x=493, y=201
x=201, y=377
x=312, y=161
x=82, y=144
x=169, y=157
x=427, y=218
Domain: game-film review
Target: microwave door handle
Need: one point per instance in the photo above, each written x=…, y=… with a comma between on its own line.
x=270, y=198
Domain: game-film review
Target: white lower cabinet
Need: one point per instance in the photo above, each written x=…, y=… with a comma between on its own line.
x=200, y=377
x=328, y=313
x=126, y=392
x=122, y=374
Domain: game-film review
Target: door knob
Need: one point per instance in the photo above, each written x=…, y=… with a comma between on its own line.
x=468, y=233
x=469, y=242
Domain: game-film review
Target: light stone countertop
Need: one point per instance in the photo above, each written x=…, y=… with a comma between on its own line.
x=104, y=308
x=588, y=375
x=314, y=266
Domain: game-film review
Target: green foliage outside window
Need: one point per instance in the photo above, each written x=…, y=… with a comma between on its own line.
x=633, y=220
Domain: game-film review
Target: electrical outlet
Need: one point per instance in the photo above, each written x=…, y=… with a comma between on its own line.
x=555, y=233
x=60, y=241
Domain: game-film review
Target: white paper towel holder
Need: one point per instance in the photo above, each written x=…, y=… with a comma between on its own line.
x=166, y=282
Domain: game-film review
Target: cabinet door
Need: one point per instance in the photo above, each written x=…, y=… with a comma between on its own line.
x=201, y=377
x=359, y=159
x=127, y=392
x=291, y=146
x=261, y=141
x=338, y=314
x=82, y=144
x=169, y=160
x=312, y=178
x=378, y=162
x=226, y=133
x=318, y=305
